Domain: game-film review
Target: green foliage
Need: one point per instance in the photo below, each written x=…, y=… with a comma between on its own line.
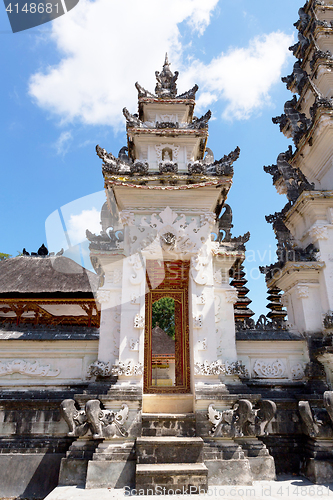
x=4, y=256
x=163, y=313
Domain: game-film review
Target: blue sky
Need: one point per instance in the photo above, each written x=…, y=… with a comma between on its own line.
x=64, y=85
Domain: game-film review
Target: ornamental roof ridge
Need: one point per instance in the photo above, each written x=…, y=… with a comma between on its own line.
x=166, y=87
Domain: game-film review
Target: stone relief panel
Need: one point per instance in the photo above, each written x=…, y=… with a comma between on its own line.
x=174, y=149
x=93, y=420
x=103, y=296
x=202, y=344
x=302, y=291
x=137, y=275
x=32, y=369
x=133, y=344
x=297, y=371
x=99, y=369
x=139, y=321
x=231, y=296
x=198, y=321
x=268, y=368
x=318, y=232
x=242, y=419
x=219, y=368
x=128, y=369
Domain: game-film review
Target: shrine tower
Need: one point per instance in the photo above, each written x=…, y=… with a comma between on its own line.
x=161, y=238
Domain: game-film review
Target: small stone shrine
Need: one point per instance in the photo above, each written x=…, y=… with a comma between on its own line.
x=152, y=373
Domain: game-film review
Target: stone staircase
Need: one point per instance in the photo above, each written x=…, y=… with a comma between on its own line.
x=169, y=456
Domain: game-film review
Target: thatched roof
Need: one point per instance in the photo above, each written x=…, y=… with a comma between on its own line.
x=161, y=342
x=45, y=275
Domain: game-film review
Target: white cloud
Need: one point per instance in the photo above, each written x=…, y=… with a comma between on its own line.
x=63, y=143
x=243, y=76
x=78, y=224
x=107, y=45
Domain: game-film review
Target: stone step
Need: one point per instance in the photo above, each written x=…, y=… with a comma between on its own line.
x=168, y=424
x=171, y=478
x=169, y=449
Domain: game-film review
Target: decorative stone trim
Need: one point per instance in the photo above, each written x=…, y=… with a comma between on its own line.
x=134, y=298
x=297, y=371
x=202, y=344
x=201, y=299
x=134, y=344
x=159, y=148
x=285, y=299
x=302, y=291
x=23, y=367
x=127, y=369
x=207, y=218
x=101, y=423
x=197, y=321
x=99, y=369
x=328, y=320
x=139, y=321
x=219, y=368
x=126, y=218
x=264, y=368
x=317, y=232
x=231, y=296
x=103, y=296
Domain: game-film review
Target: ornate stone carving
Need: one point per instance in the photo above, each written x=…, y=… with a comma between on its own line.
x=242, y=419
x=128, y=369
x=298, y=122
x=168, y=167
x=133, y=344
x=317, y=423
x=99, y=369
x=131, y=120
x=297, y=371
x=294, y=181
x=197, y=321
x=318, y=232
x=302, y=291
x=298, y=78
x=103, y=296
x=166, y=81
x=110, y=163
x=328, y=320
x=137, y=274
x=300, y=47
x=201, y=299
x=139, y=321
x=101, y=423
x=202, y=344
x=219, y=368
x=265, y=368
x=224, y=165
x=190, y=94
x=202, y=122
x=32, y=369
x=127, y=218
x=199, y=269
x=160, y=147
x=197, y=168
x=231, y=296
x=139, y=168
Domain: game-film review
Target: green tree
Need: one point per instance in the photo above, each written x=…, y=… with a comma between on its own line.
x=4, y=256
x=163, y=314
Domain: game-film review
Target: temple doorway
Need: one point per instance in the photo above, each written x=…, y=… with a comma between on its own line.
x=166, y=364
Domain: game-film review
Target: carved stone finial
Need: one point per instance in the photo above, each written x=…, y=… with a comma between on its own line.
x=166, y=81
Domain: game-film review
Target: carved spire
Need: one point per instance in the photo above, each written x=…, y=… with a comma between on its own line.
x=276, y=314
x=241, y=309
x=166, y=81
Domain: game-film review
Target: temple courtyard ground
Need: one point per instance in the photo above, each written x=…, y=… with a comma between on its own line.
x=285, y=488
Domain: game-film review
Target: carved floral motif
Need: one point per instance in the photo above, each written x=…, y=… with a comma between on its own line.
x=197, y=321
x=219, y=368
x=99, y=369
x=33, y=369
x=133, y=344
x=103, y=296
x=231, y=296
x=297, y=371
x=302, y=291
x=202, y=344
x=139, y=321
x=127, y=218
x=127, y=369
x=264, y=368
